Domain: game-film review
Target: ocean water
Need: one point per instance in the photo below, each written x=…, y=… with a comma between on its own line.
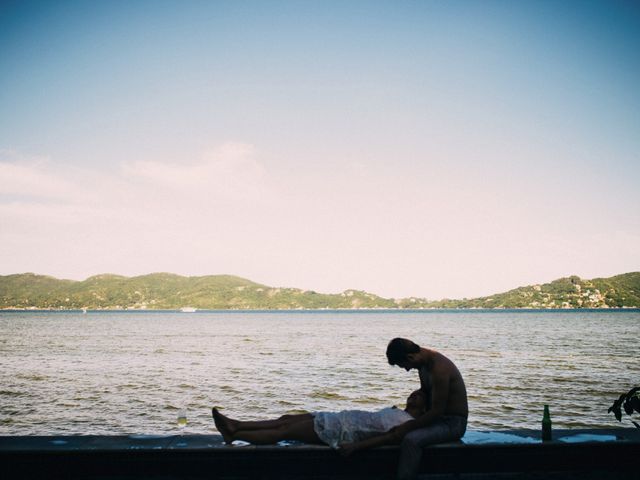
x=131, y=372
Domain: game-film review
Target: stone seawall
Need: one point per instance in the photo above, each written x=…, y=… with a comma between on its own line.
x=576, y=454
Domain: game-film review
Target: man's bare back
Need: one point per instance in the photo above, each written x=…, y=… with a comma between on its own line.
x=437, y=365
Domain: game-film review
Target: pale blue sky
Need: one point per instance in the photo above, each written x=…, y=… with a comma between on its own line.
x=406, y=148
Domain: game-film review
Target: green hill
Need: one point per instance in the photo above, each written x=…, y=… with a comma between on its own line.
x=570, y=292
x=169, y=291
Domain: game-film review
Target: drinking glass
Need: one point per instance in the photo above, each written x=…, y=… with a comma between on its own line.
x=182, y=420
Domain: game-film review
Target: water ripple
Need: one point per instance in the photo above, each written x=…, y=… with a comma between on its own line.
x=130, y=373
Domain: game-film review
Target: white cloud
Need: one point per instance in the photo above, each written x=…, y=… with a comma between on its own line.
x=138, y=204
x=229, y=172
x=30, y=176
x=38, y=190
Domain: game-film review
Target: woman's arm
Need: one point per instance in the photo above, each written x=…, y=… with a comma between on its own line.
x=387, y=438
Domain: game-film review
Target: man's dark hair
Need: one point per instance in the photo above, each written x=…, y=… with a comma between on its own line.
x=399, y=348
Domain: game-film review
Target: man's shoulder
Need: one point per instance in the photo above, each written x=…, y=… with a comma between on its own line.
x=442, y=365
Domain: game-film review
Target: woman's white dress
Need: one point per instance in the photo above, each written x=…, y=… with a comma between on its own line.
x=336, y=428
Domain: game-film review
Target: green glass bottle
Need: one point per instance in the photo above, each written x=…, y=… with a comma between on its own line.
x=546, y=425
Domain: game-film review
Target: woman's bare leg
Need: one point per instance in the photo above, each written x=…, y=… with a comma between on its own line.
x=301, y=429
x=228, y=426
x=269, y=424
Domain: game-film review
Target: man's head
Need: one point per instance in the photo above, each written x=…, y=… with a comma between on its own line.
x=403, y=352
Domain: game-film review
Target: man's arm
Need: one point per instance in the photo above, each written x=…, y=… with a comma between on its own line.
x=439, y=396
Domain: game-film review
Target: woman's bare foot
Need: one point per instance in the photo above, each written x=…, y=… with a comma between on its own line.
x=224, y=425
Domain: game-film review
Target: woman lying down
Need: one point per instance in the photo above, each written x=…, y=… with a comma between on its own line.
x=349, y=430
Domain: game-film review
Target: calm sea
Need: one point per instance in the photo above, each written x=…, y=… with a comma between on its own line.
x=131, y=372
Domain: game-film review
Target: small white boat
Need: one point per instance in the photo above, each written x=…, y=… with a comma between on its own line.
x=188, y=309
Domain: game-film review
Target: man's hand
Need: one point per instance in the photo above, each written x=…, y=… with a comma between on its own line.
x=347, y=449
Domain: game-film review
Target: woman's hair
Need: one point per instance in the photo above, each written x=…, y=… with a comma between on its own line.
x=399, y=348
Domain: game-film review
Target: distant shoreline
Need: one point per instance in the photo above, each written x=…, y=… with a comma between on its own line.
x=167, y=291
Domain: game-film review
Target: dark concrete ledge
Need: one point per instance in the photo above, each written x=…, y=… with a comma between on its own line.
x=205, y=456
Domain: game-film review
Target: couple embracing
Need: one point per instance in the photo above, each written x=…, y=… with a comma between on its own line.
x=435, y=413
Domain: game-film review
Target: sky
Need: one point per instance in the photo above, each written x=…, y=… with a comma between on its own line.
x=413, y=148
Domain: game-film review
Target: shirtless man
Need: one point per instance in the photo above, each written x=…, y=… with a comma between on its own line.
x=447, y=410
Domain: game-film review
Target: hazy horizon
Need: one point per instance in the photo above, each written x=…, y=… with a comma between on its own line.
x=422, y=149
